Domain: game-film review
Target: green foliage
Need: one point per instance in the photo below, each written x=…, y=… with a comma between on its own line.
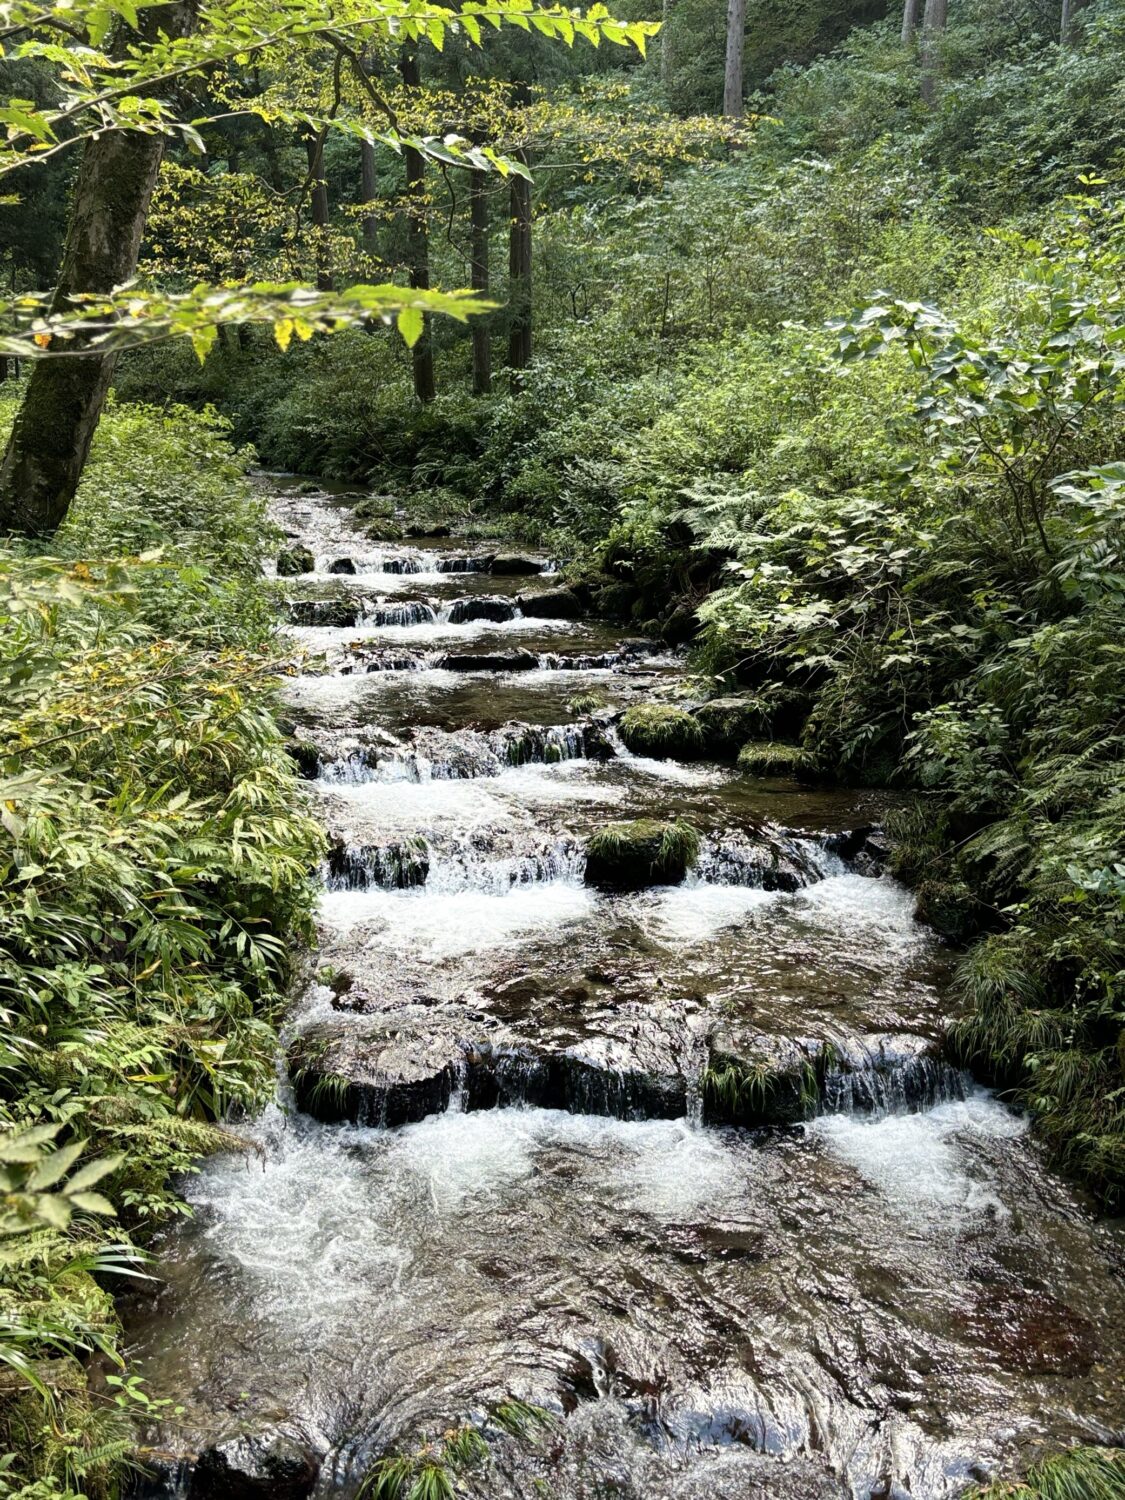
x=641, y=852
x=436, y=1470
x=1078, y=1474
x=661, y=730
x=155, y=868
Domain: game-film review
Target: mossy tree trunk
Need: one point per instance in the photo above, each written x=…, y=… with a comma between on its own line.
x=909, y=21
x=481, y=333
x=51, y=438
x=418, y=241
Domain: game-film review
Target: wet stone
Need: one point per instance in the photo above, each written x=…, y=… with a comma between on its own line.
x=551, y=604
x=511, y=563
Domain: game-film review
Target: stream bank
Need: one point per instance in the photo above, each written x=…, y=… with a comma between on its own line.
x=680, y=1162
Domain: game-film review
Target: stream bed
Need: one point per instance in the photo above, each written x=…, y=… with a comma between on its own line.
x=501, y=1165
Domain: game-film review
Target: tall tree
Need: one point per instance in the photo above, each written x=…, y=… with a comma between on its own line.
x=519, y=274
x=369, y=192
x=736, y=47
x=909, y=21
x=481, y=333
x=1069, y=31
x=418, y=240
x=51, y=438
x=934, y=19
x=318, y=196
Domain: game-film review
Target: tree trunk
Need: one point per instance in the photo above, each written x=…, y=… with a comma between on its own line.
x=736, y=44
x=318, y=199
x=51, y=439
x=4, y=368
x=666, y=13
x=909, y=21
x=933, y=24
x=519, y=275
x=369, y=191
x=482, y=334
x=1069, y=31
x=418, y=242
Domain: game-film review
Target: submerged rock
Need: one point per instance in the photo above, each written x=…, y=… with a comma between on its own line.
x=292, y=561
x=630, y=856
x=489, y=661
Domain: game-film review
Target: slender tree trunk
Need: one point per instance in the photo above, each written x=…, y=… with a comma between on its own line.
x=933, y=24
x=1069, y=31
x=369, y=192
x=736, y=45
x=4, y=368
x=418, y=241
x=482, y=334
x=519, y=275
x=273, y=165
x=909, y=21
x=51, y=439
x=318, y=199
x=666, y=60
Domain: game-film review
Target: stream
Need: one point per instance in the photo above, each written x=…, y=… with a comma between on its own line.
x=495, y=1168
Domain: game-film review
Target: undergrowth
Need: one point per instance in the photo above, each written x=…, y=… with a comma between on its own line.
x=155, y=870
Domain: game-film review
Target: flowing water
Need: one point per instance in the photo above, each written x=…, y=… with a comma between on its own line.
x=502, y=1166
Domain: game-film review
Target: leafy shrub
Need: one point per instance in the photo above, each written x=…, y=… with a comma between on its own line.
x=155, y=869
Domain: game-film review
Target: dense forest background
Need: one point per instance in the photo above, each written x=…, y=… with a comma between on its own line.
x=821, y=374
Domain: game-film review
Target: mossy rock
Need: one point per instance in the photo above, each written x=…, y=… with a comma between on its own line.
x=950, y=908
x=630, y=856
x=585, y=703
x=292, y=561
x=732, y=720
x=774, y=758
x=384, y=531
x=306, y=756
x=661, y=730
x=614, y=600
x=374, y=508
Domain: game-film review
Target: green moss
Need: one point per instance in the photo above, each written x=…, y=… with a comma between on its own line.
x=1079, y=1474
x=384, y=531
x=950, y=907
x=374, y=508
x=661, y=730
x=585, y=703
x=758, y=1091
x=773, y=758
x=629, y=856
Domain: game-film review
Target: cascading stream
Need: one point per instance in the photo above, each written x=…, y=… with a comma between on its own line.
x=680, y=1162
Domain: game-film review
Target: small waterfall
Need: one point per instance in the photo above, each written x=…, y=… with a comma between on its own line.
x=462, y=564
x=413, y=612
x=770, y=861
x=471, y=870
x=397, y=866
x=890, y=1086
x=527, y=744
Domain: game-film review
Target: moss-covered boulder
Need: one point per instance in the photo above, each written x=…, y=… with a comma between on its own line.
x=630, y=856
x=774, y=758
x=292, y=561
x=729, y=722
x=374, y=508
x=384, y=531
x=951, y=909
x=661, y=730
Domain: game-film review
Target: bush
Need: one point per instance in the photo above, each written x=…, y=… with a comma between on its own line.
x=155, y=872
